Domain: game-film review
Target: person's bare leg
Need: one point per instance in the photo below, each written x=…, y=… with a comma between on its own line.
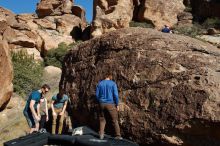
x=54, y=123
x=37, y=126
x=61, y=124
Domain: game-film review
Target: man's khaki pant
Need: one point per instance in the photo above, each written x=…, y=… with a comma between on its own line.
x=111, y=109
x=57, y=111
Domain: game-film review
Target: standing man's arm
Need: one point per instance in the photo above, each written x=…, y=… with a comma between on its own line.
x=64, y=108
x=38, y=110
x=47, y=117
x=33, y=110
x=97, y=93
x=115, y=94
x=52, y=107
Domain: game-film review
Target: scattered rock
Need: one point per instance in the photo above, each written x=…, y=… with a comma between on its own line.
x=212, y=31
x=215, y=40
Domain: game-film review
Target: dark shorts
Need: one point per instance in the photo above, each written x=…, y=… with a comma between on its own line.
x=30, y=119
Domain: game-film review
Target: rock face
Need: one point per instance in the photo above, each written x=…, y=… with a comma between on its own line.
x=111, y=15
x=6, y=75
x=160, y=12
x=38, y=34
x=168, y=85
x=35, y=35
x=51, y=76
x=54, y=7
x=206, y=8
x=185, y=19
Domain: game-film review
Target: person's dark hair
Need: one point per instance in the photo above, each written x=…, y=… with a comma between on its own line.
x=46, y=86
x=108, y=74
x=61, y=93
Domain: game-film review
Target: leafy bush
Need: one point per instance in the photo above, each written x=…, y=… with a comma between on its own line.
x=141, y=24
x=191, y=31
x=188, y=9
x=54, y=57
x=27, y=73
x=211, y=22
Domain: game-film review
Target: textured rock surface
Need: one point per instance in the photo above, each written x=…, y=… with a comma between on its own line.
x=6, y=75
x=160, y=12
x=111, y=15
x=51, y=76
x=185, y=19
x=54, y=7
x=168, y=85
x=80, y=12
x=42, y=34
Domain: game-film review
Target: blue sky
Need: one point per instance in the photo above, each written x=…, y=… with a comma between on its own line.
x=29, y=6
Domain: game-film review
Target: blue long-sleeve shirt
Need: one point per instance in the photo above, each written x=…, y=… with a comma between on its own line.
x=107, y=92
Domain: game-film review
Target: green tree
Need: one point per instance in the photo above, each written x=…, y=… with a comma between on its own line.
x=27, y=73
x=54, y=57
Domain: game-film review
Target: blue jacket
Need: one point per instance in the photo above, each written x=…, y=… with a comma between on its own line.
x=166, y=30
x=107, y=92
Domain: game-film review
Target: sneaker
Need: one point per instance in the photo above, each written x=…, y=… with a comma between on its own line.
x=118, y=137
x=101, y=136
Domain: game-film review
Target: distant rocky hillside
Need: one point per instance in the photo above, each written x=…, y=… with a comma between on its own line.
x=168, y=85
x=111, y=15
x=54, y=23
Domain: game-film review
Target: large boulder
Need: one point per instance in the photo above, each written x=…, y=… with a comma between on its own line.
x=160, y=12
x=6, y=75
x=52, y=38
x=6, y=18
x=54, y=7
x=111, y=15
x=168, y=85
x=80, y=12
x=51, y=76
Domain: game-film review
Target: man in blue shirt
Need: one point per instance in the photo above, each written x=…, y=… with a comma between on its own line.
x=58, y=106
x=107, y=96
x=166, y=29
x=32, y=107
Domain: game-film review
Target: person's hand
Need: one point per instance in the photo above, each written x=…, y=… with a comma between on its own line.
x=47, y=118
x=54, y=114
x=61, y=113
x=117, y=108
x=37, y=118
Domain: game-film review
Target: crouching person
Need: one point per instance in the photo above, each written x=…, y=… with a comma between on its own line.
x=58, y=106
x=32, y=107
